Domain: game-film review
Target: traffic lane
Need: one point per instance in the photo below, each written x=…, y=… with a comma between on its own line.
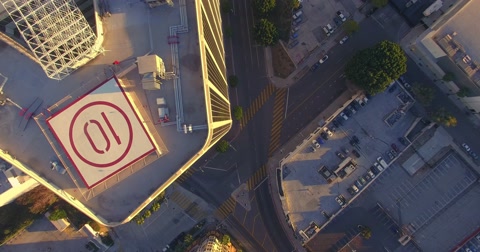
x=464, y=131
x=242, y=235
x=270, y=218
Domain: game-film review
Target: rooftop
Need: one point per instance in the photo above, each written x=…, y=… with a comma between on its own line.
x=94, y=125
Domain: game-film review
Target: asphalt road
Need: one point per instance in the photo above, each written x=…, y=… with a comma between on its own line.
x=306, y=99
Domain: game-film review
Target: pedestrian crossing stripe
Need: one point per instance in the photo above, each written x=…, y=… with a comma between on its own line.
x=257, y=104
x=225, y=209
x=257, y=177
x=278, y=114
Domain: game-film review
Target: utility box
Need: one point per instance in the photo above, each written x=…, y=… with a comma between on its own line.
x=152, y=69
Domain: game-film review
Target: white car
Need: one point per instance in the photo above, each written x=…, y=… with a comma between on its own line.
x=341, y=16
x=466, y=147
x=316, y=144
x=378, y=166
x=343, y=40
x=371, y=174
x=345, y=117
x=325, y=58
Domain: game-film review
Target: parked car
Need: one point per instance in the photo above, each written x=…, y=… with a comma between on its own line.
x=371, y=173
x=300, y=6
x=340, y=200
x=362, y=180
x=356, y=105
x=336, y=123
x=341, y=16
x=351, y=108
x=378, y=166
x=326, y=215
x=297, y=14
x=348, y=112
x=403, y=140
x=322, y=60
x=328, y=131
x=312, y=149
x=355, y=138
x=374, y=170
x=340, y=155
x=345, y=150
x=352, y=191
x=297, y=21
x=345, y=117
x=355, y=152
x=355, y=188
x=395, y=148
x=324, y=135
x=343, y=40
x=320, y=140
x=315, y=67
x=358, y=184
x=315, y=144
x=367, y=177
x=466, y=147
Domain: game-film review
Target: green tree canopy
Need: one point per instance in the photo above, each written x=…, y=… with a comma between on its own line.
x=57, y=214
x=463, y=92
x=373, y=69
x=263, y=7
x=222, y=146
x=449, y=76
x=225, y=239
x=238, y=113
x=423, y=93
x=379, y=3
x=265, y=32
x=351, y=26
x=444, y=117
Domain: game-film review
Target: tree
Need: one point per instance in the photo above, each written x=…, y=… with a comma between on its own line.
x=423, y=93
x=57, y=214
x=463, y=92
x=351, y=26
x=233, y=80
x=373, y=69
x=295, y=5
x=263, y=7
x=265, y=32
x=155, y=206
x=448, y=76
x=225, y=239
x=188, y=239
x=238, y=113
x=226, y=6
x=442, y=116
x=379, y=3
x=365, y=231
x=222, y=146
x=38, y=200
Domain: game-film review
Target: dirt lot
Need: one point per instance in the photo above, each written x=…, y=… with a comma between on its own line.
x=282, y=64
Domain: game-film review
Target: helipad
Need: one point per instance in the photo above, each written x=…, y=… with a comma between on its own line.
x=101, y=133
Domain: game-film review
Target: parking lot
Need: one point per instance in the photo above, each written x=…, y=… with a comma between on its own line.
x=308, y=192
x=310, y=30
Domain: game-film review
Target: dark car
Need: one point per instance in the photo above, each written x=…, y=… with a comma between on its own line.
x=320, y=140
x=335, y=123
x=348, y=112
x=355, y=138
x=353, y=143
x=340, y=155
x=403, y=141
x=324, y=135
x=355, y=152
x=351, y=191
x=403, y=79
x=356, y=105
x=395, y=148
x=374, y=170
x=315, y=67
x=326, y=215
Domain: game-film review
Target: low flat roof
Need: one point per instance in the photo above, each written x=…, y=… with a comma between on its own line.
x=101, y=133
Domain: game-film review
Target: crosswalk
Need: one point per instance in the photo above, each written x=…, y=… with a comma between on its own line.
x=225, y=209
x=185, y=175
x=278, y=116
x=257, y=104
x=257, y=177
x=190, y=207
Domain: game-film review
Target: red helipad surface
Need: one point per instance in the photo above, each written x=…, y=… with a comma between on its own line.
x=101, y=133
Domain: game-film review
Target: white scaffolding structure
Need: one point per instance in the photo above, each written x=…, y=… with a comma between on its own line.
x=57, y=33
